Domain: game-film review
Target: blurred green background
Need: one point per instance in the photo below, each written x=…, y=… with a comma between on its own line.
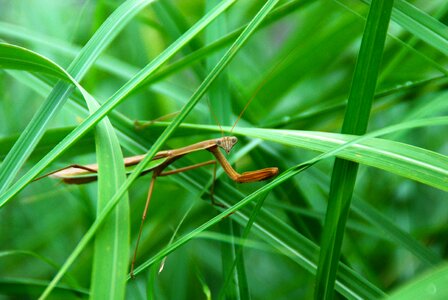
x=299, y=67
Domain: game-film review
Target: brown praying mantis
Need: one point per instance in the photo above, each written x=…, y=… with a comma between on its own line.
x=79, y=174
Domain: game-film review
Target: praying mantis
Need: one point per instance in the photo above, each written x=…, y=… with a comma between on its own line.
x=79, y=174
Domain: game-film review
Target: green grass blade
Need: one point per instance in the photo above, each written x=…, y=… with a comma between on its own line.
x=420, y=24
x=19, y=58
x=405, y=160
x=106, y=63
x=423, y=26
x=431, y=285
x=25, y=287
x=240, y=248
x=356, y=119
x=222, y=111
x=110, y=261
x=54, y=102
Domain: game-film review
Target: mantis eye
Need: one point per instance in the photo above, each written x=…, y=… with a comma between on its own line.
x=234, y=140
x=218, y=142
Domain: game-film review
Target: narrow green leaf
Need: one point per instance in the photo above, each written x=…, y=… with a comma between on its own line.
x=411, y=162
x=431, y=286
x=355, y=122
x=110, y=261
x=19, y=58
x=221, y=113
x=239, y=248
x=422, y=25
x=26, y=287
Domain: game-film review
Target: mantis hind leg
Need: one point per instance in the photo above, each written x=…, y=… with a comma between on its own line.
x=156, y=173
x=145, y=211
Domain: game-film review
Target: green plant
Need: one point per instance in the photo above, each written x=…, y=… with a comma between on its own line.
x=143, y=59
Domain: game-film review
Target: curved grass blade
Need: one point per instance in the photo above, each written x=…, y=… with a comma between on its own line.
x=35, y=129
x=112, y=244
x=19, y=58
x=107, y=63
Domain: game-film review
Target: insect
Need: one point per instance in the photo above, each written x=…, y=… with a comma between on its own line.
x=79, y=174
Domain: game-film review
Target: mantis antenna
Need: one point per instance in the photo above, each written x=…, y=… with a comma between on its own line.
x=260, y=86
x=214, y=117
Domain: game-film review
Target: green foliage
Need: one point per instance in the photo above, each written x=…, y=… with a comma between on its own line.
x=141, y=59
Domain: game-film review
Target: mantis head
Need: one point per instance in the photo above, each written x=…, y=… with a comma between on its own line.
x=227, y=143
